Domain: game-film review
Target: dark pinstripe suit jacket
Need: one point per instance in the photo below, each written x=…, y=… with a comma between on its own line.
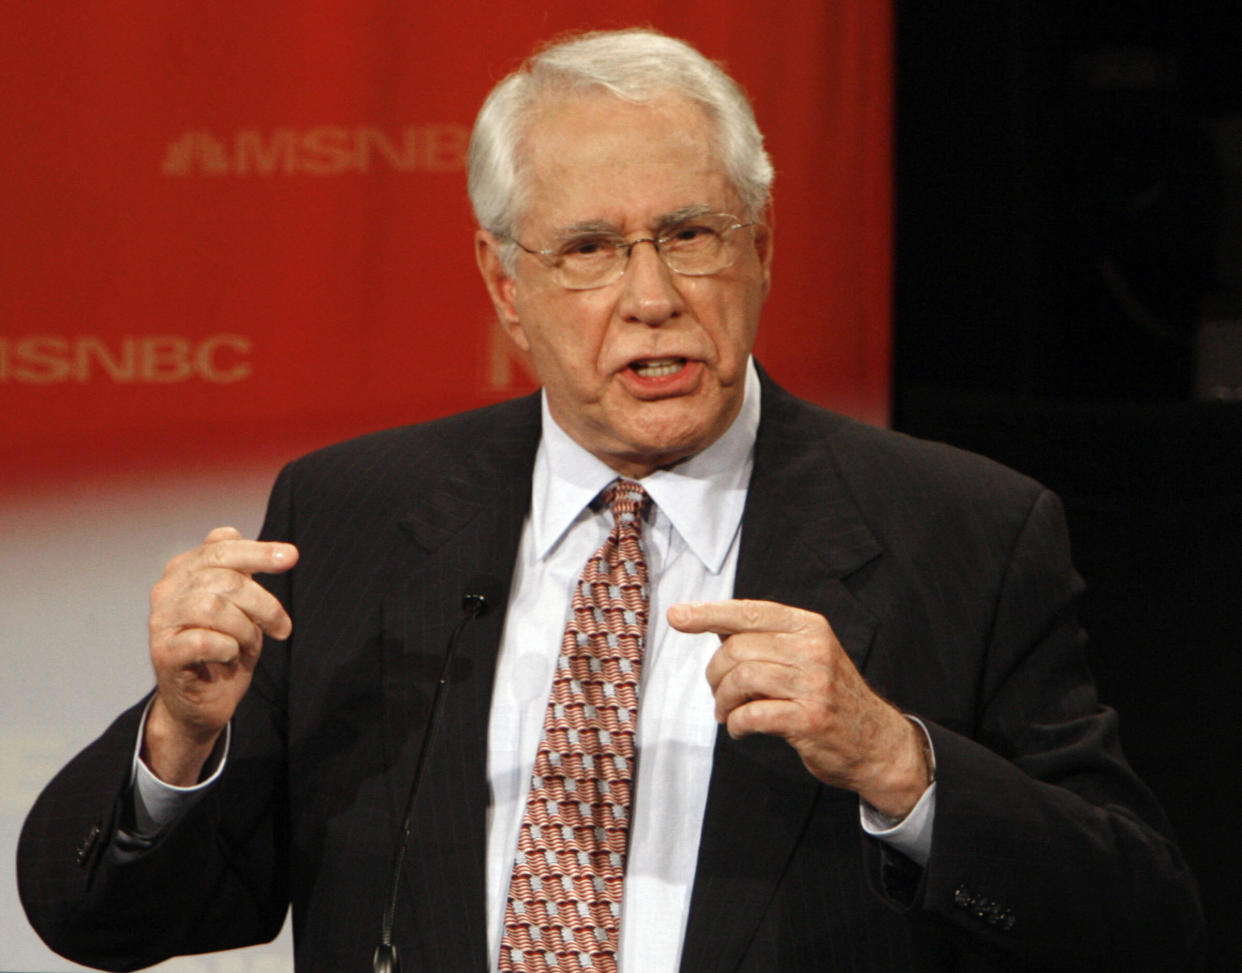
x=946, y=577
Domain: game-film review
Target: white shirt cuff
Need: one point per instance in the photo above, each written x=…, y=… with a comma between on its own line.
x=912, y=835
x=157, y=804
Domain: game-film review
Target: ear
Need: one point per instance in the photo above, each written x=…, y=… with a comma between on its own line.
x=763, y=244
x=500, y=285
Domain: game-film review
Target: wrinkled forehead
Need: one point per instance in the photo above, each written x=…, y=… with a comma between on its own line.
x=581, y=148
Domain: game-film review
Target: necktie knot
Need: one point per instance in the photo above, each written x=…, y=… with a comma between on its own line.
x=627, y=500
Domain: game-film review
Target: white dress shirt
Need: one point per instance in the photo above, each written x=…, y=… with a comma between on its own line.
x=690, y=538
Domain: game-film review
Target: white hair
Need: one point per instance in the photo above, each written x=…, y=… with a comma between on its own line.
x=636, y=65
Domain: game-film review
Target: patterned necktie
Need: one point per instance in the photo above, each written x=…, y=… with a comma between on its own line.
x=565, y=892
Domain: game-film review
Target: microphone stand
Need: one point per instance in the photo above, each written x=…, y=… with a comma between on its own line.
x=473, y=605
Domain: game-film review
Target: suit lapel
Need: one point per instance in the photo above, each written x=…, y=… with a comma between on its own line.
x=801, y=537
x=466, y=526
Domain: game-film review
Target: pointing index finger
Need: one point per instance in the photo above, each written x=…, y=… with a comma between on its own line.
x=248, y=557
x=736, y=615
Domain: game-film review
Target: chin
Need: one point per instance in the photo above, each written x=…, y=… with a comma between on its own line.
x=652, y=453
x=659, y=434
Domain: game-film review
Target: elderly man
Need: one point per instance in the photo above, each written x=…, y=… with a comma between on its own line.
x=817, y=700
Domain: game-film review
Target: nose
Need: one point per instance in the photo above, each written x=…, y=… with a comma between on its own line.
x=649, y=293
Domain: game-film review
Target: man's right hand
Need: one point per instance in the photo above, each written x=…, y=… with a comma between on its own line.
x=208, y=619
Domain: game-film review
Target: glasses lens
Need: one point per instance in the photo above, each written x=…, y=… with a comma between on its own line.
x=700, y=246
x=592, y=261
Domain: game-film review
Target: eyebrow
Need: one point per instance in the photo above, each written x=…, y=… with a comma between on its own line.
x=683, y=214
x=662, y=222
x=587, y=228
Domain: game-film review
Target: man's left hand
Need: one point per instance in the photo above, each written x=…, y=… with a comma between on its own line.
x=781, y=670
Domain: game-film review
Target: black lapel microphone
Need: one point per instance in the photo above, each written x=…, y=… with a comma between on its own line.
x=482, y=594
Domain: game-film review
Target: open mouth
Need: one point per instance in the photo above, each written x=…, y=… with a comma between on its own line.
x=657, y=367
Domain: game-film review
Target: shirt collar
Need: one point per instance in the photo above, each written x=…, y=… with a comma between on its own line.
x=702, y=496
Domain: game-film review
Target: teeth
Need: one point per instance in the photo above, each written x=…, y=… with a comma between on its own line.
x=658, y=367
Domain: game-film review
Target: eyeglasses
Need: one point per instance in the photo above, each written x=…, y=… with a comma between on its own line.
x=694, y=247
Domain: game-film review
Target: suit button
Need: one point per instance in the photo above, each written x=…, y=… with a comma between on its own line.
x=962, y=898
x=88, y=842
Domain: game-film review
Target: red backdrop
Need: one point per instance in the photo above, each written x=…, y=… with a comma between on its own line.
x=237, y=230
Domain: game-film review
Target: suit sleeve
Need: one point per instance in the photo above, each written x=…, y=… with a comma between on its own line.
x=217, y=879
x=1046, y=847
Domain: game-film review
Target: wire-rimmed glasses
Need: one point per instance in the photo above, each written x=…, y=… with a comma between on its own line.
x=694, y=247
